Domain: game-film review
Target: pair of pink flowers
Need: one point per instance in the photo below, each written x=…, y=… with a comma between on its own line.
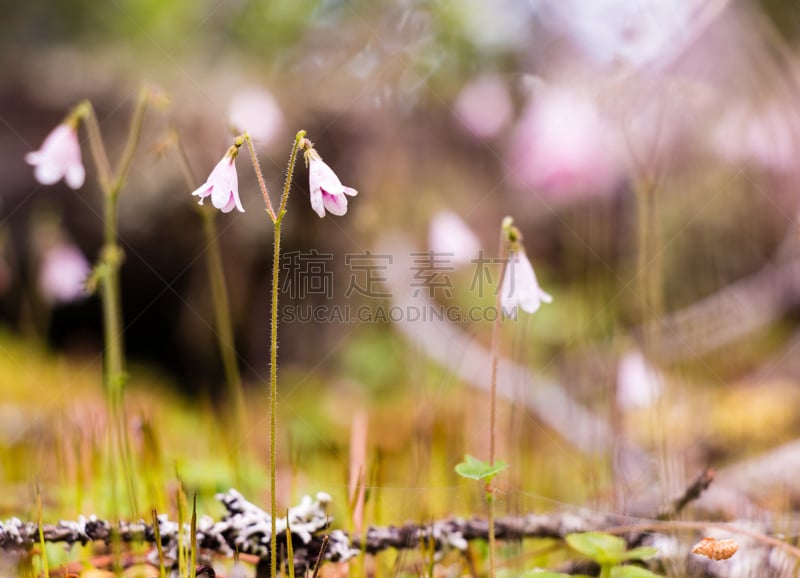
x=326, y=190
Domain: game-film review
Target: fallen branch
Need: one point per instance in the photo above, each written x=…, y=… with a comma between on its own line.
x=246, y=529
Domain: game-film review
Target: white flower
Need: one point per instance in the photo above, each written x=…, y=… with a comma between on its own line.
x=59, y=157
x=222, y=186
x=325, y=188
x=449, y=235
x=639, y=384
x=520, y=287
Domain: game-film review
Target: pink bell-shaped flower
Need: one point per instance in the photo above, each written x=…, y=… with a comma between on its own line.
x=59, y=157
x=326, y=190
x=222, y=185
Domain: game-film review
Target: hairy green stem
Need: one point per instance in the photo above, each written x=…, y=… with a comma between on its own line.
x=273, y=357
x=273, y=393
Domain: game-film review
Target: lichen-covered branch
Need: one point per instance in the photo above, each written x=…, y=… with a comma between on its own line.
x=245, y=528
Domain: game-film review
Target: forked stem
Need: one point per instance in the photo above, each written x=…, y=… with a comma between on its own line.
x=273, y=353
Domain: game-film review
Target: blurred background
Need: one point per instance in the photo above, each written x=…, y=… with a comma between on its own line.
x=647, y=151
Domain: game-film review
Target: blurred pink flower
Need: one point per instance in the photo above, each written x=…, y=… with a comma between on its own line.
x=562, y=148
x=638, y=383
x=764, y=138
x=449, y=235
x=326, y=190
x=62, y=274
x=222, y=186
x=59, y=157
x=256, y=111
x=483, y=107
x=520, y=287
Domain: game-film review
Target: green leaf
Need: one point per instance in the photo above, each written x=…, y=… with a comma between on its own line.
x=643, y=553
x=632, y=572
x=603, y=548
x=475, y=469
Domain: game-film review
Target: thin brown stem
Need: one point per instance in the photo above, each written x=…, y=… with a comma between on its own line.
x=495, y=353
x=260, y=177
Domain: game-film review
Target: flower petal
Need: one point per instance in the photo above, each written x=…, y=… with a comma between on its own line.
x=336, y=204
x=317, y=203
x=48, y=173
x=76, y=175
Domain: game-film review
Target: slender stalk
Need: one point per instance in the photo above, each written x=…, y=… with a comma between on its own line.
x=260, y=176
x=222, y=314
x=273, y=394
x=495, y=353
x=110, y=262
x=492, y=540
x=42, y=545
x=273, y=357
x=134, y=136
x=96, y=146
x=299, y=138
x=649, y=256
x=193, y=539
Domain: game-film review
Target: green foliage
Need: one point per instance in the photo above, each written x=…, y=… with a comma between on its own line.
x=609, y=552
x=606, y=549
x=475, y=469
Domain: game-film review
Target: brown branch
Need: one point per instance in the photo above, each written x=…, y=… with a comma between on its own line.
x=692, y=493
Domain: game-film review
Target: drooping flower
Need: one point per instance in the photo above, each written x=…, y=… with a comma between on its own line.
x=520, y=287
x=59, y=157
x=222, y=184
x=450, y=236
x=326, y=190
x=63, y=274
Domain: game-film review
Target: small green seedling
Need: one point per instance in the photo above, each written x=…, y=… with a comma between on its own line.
x=474, y=469
x=610, y=552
